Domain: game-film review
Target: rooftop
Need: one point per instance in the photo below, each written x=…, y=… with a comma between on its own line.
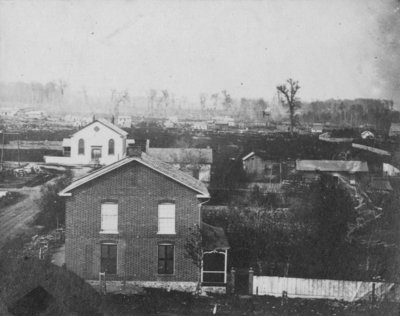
x=182, y=155
x=112, y=126
x=213, y=237
x=331, y=165
x=150, y=162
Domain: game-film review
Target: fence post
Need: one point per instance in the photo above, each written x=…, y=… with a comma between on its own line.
x=232, y=281
x=251, y=276
x=373, y=293
x=103, y=283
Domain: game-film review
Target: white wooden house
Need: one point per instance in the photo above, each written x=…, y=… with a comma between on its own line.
x=99, y=142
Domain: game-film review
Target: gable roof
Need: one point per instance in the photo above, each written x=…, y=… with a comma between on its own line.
x=331, y=165
x=248, y=156
x=150, y=162
x=371, y=149
x=182, y=155
x=108, y=124
x=262, y=154
x=213, y=237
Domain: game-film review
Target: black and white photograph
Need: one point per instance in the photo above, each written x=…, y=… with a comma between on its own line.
x=200, y=157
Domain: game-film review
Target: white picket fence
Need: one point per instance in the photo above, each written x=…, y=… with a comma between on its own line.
x=322, y=289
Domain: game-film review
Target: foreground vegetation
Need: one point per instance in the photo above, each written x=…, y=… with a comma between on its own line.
x=156, y=302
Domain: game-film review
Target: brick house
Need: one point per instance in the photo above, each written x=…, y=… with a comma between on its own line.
x=131, y=220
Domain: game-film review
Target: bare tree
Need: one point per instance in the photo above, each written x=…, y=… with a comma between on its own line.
x=203, y=99
x=214, y=97
x=165, y=98
x=118, y=98
x=289, y=91
x=227, y=102
x=150, y=100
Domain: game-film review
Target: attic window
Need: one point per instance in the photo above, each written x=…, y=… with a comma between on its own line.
x=96, y=128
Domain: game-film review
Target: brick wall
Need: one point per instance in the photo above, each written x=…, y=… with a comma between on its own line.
x=138, y=191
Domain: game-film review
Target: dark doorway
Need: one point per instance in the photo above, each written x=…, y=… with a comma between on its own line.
x=108, y=262
x=96, y=153
x=242, y=281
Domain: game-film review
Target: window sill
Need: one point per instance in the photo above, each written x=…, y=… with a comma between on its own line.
x=109, y=232
x=162, y=233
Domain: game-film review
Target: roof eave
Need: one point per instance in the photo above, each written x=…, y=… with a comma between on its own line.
x=64, y=194
x=203, y=196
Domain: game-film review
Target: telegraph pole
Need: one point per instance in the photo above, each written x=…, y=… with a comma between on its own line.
x=2, y=150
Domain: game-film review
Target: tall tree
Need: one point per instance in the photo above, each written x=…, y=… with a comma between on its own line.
x=152, y=94
x=227, y=102
x=203, y=99
x=289, y=91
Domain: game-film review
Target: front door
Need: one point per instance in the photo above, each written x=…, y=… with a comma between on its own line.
x=108, y=263
x=96, y=153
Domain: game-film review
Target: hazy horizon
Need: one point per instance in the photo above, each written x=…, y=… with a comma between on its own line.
x=336, y=49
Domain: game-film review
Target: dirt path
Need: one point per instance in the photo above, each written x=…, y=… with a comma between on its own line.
x=15, y=219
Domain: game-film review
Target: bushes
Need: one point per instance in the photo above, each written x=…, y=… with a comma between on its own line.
x=52, y=206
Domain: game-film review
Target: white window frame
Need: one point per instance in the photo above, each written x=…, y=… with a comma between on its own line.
x=166, y=218
x=109, y=218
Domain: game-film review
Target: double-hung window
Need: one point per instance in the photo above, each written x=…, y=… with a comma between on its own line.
x=166, y=218
x=109, y=217
x=165, y=259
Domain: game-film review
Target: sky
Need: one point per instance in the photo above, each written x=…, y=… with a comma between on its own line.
x=334, y=48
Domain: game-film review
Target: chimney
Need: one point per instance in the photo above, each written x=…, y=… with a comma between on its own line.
x=147, y=144
x=134, y=151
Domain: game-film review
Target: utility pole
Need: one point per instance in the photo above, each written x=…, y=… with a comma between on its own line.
x=2, y=150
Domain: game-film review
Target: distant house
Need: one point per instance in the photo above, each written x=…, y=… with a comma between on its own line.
x=131, y=220
x=390, y=170
x=223, y=122
x=260, y=167
x=8, y=112
x=99, y=142
x=36, y=114
x=353, y=171
x=394, y=129
x=264, y=172
x=317, y=128
x=199, y=125
x=124, y=121
x=194, y=161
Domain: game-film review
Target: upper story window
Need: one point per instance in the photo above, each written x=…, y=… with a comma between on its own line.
x=109, y=217
x=166, y=218
x=111, y=147
x=81, y=147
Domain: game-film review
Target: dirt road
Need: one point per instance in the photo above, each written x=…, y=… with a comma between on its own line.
x=15, y=219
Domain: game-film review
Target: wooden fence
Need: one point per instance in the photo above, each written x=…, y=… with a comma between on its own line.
x=323, y=289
